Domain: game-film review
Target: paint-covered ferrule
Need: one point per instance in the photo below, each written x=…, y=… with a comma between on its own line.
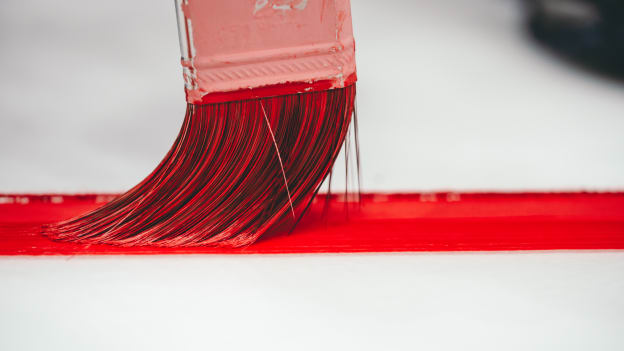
x=243, y=49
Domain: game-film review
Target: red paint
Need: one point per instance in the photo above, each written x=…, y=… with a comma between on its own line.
x=272, y=90
x=385, y=223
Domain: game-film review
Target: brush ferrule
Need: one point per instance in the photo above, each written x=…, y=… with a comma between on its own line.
x=243, y=49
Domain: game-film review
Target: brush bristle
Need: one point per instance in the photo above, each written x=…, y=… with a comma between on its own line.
x=223, y=183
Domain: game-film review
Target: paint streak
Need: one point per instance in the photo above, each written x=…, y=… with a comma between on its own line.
x=280, y=5
x=301, y=5
x=260, y=4
x=383, y=223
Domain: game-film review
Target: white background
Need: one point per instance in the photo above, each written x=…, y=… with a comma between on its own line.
x=497, y=301
x=451, y=95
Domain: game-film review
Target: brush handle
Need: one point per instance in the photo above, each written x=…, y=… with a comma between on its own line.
x=237, y=49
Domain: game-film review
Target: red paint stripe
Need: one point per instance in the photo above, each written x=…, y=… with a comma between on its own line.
x=385, y=223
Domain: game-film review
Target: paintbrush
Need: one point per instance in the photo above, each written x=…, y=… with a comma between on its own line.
x=270, y=87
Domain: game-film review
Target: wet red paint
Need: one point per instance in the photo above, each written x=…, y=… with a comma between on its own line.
x=273, y=90
x=384, y=223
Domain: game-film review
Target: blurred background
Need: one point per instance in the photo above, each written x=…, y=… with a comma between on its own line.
x=454, y=94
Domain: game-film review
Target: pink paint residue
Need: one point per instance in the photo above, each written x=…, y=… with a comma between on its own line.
x=230, y=46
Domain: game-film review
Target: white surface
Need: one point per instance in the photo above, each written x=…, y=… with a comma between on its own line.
x=452, y=95
x=524, y=301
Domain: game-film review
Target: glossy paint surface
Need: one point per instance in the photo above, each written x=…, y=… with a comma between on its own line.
x=383, y=223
